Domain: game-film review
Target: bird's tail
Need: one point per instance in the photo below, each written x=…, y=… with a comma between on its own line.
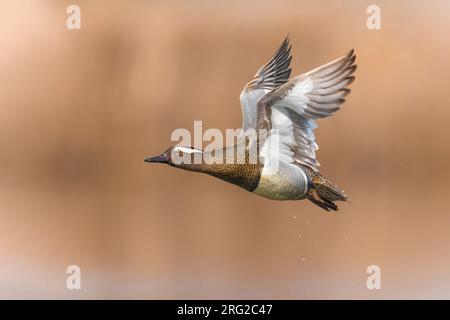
x=322, y=192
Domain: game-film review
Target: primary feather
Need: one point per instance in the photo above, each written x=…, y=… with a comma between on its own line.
x=292, y=108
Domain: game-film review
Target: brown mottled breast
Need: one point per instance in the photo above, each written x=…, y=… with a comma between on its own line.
x=242, y=168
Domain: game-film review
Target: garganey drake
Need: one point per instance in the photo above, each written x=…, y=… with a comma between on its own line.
x=286, y=111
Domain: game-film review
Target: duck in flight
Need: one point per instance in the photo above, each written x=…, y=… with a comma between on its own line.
x=287, y=109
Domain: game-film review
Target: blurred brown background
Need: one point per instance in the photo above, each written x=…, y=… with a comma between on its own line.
x=80, y=110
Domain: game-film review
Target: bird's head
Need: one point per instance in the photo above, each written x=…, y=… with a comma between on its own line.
x=178, y=156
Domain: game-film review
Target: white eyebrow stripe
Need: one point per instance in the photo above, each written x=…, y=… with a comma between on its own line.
x=187, y=150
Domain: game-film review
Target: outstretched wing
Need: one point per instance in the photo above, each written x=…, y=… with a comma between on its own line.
x=270, y=76
x=291, y=109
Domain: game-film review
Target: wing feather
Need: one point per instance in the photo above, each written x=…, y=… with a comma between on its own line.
x=270, y=76
x=298, y=103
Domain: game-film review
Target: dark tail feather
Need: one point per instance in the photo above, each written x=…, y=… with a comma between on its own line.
x=323, y=193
